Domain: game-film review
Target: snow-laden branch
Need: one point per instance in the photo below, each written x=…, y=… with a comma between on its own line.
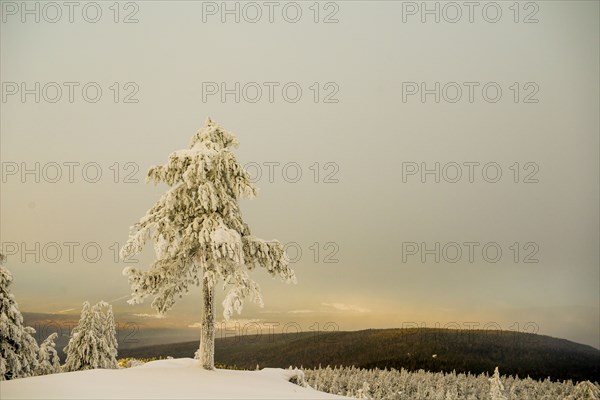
x=269, y=255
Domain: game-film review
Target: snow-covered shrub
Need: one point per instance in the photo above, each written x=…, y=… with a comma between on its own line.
x=131, y=362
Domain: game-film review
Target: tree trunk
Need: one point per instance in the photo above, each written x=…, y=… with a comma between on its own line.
x=207, y=335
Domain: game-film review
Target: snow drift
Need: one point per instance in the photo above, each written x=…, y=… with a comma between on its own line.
x=164, y=379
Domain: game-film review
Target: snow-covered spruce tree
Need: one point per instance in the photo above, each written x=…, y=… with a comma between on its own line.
x=586, y=390
x=199, y=235
x=104, y=326
x=496, y=386
x=92, y=343
x=18, y=348
x=82, y=350
x=110, y=333
x=48, y=360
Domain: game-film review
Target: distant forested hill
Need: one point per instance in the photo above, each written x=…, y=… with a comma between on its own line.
x=474, y=351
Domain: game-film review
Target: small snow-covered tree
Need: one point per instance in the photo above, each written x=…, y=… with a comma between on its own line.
x=110, y=333
x=82, y=350
x=364, y=392
x=92, y=343
x=104, y=326
x=48, y=360
x=18, y=348
x=496, y=386
x=586, y=390
x=199, y=235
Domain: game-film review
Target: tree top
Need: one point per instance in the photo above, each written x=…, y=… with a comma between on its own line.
x=213, y=137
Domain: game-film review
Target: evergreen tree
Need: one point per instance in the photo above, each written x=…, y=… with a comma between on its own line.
x=199, y=235
x=496, y=386
x=48, y=360
x=104, y=326
x=92, y=344
x=82, y=350
x=110, y=334
x=18, y=348
x=586, y=390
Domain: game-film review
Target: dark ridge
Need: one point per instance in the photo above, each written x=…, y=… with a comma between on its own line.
x=474, y=351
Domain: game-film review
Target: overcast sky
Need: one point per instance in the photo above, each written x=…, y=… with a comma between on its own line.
x=336, y=121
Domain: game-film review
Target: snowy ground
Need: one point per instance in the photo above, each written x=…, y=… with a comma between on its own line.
x=165, y=379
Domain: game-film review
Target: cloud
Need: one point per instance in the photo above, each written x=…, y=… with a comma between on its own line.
x=67, y=310
x=300, y=311
x=157, y=316
x=119, y=298
x=231, y=324
x=346, y=307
